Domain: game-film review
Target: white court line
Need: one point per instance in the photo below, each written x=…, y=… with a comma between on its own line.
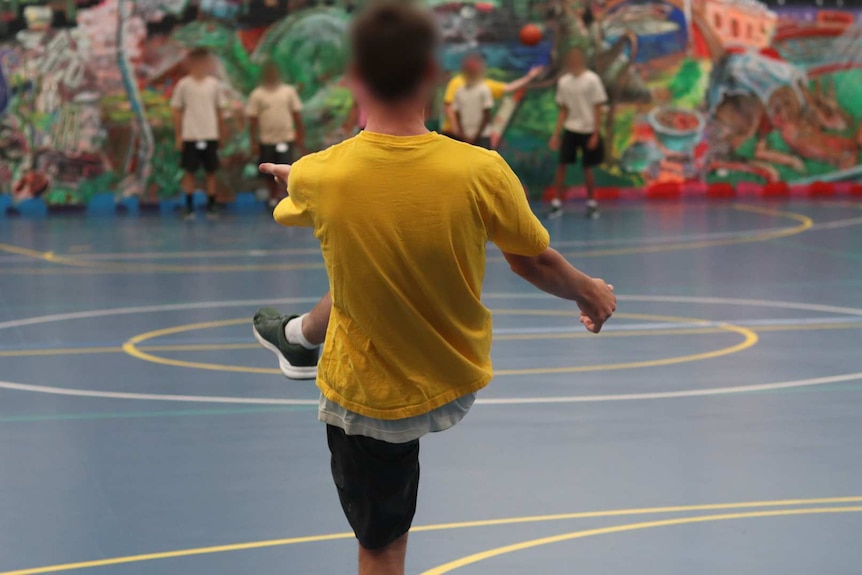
x=488, y=401
x=314, y=249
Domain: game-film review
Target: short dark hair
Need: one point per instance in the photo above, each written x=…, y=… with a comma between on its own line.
x=393, y=42
x=199, y=53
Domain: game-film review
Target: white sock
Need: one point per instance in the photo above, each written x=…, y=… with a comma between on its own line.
x=592, y=204
x=556, y=202
x=293, y=333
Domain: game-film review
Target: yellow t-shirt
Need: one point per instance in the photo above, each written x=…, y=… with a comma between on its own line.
x=498, y=90
x=403, y=223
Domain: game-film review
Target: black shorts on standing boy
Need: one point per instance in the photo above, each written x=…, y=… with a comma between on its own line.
x=202, y=155
x=275, y=154
x=576, y=144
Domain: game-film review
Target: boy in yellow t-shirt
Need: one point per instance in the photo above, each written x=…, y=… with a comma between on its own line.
x=474, y=64
x=403, y=216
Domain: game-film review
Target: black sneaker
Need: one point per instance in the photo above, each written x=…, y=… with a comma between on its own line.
x=188, y=215
x=295, y=361
x=212, y=212
x=556, y=210
x=593, y=210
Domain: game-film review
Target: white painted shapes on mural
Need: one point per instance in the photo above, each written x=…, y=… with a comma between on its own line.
x=38, y=17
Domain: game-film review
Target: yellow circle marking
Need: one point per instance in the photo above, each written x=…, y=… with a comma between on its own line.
x=750, y=339
x=477, y=557
x=91, y=266
x=448, y=526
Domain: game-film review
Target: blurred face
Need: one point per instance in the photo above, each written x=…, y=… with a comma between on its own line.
x=271, y=75
x=473, y=67
x=200, y=66
x=576, y=60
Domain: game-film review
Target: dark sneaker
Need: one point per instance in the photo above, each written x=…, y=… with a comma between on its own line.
x=188, y=215
x=212, y=213
x=295, y=361
x=593, y=210
x=556, y=208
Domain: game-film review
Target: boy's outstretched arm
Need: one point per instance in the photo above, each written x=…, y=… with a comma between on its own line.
x=522, y=82
x=550, y=272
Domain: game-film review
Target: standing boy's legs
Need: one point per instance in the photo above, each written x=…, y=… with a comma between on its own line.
x=568, y=155
x=190, y=163
x=592, y=157
x=210, y=161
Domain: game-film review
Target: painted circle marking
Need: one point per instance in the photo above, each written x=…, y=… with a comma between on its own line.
x=808, y=382
x=482, y=556
x=749, y=339
x=769, y=505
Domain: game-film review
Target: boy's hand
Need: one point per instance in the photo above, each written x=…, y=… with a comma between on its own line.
x=554, y=144
x=598, y=305
x=179, y=144
x=594, y=141
x=281, y=172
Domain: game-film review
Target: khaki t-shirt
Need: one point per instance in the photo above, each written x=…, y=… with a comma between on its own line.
x=470, y=103
x=579, y=95
x=498, y=90
x=274, y=109
x=403, y=223
x=200, y=101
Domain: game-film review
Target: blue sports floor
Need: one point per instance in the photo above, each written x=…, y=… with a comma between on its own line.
x=715, y=427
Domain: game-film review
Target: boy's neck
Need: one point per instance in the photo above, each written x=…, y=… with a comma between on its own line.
x=577, y=71
x=199, y=77
x=398, y=120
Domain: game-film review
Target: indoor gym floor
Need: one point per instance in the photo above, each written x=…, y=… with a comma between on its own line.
x=715, y=426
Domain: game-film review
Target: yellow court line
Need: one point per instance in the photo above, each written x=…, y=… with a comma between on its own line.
x=750, y=339
x=804, y=225
x=477, y=557
x=129, y=267
x=507, y=337
x=436, y=527
x=61, y=351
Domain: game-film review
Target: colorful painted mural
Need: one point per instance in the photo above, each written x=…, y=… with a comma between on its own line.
x=700, y=90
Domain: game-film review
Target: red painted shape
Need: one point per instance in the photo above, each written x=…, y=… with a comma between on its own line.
x=773, y=189
x=720, y=190
x=856, y=190
x=607, y=194
x=821, y=189
x=664, y=191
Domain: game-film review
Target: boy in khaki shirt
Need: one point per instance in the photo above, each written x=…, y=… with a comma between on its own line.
x=403, y=216
x=198, y=103
x=274, y=112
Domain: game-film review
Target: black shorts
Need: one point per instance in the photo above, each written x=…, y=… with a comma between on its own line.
x=377, y=484
x=575, y=144
x=269, y=154
x=197, y=155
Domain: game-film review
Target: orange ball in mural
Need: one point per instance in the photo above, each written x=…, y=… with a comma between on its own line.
x=530, y=35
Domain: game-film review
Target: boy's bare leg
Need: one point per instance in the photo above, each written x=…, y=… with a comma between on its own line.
x=212, y=185
x=590, y=183
x=559, y=187
x=387, y=561
x=560, y=182
x=314, y=324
